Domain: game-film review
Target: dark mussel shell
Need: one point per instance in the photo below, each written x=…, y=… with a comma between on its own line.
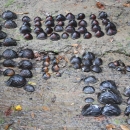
x=99, y=33
x=26, y=73
x=111, y=110
x=112, y=65
x=105, y=21
x=9, y=63
x=9, y=72
x=82, y=30
x=9, y=54
x=120, y=63
x=26, y=24
x=42, y=36
x=76, y=66
x=111, y=32
x=90, y=79
x=65, y=35
x=26, y=53
x=75, y=35
x=127, y=91
x=28, y=36
x=87, y=62
x=91, y=110
x=92, y=16
x=0, y=27
x=2, y=35
x=102, y=15
x=49, y=23
x=88, y=89
x=58, y=28
x=46, y=76
x=128, y=68
x=108, y=84
x=60, y=17
x=89, y=100
x=70, y=16
x=37, y=24
x=55, y=68
x=25, y=64
x=80, y=16
x=54, y=37
x=38, y=30
x=45, y=69
x=88, y=55
x=75, y=59
x=97, y=61
x=96, y=28
x=10, y=24
x=94, y=22
x=25, y=29
x=16, y=81
x=37, y=19
x=110, y=97
x=72, y=23
x=29, y=88
x=69, y=29
x=48, y=30
x=55, y=61
x=128, y=101
x=110, y=25
x=26, y=19
x=46, y=64
x=87, y=35
x=9, y=15
x=82, y=23
x=46, y=58
x=9, y=42
x=61, y=23
x=96, y=69
x=49, y=18
x=85, y=68
x=127, y=110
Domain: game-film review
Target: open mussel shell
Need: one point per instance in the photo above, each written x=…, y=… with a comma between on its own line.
x=111, y=32
x=9, y=63
x=58, y=28
x=9, y=72
x=64, y=35
x=88, y=89
x=37, y=19
x=80, y=16
x=48, y=30
x=26, y=19
x=70, y=16
x=127, y=91
x=28, y=36
x=9, y=42
x=29, y=88
x=60, y=17
x=88, y=55
x=2, y=35
x=82, y=30
x=26, y=73
x=91, y=110
x=99, y=34
x=26, y=53
x=10, y=24
x=89, y=100
x=111, y=110
x=49, y=23
x=102, y=15
x=86, y=68
x=90, y=79
x=16, y=81
x=54, y=37
x=69, y=29
x=42, y=36
x=9, y=54
x=97, y=61
x=127, y=110
x=25, y=29
x=75, y=59
x=96, y=69
x=75, y=35
x=87, y=35
x=25, y=64
x=82, y=23
x=9, y=15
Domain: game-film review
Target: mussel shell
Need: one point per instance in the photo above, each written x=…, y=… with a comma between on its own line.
x=9, y=63
x=65, y=35
x=55, y=68
x=82, y=30
x=26, y=19
x=96, y=28
x=9, y=72
x=16, y=81
x=110, y=97
x=85, y=68
x=91, y=110
x=97, y=61
x=37, y=24
x=54, y=37
x=26, y=53
x=87, y=62
x=94, y=22
x=102, y=15
x=2, y=35
x=75, y=59
x=90, y=79
x=25, y=64
x=26, y=73
x=45, y=69
x=110, y=25
x=26, y=24
x=82, y=23
x=88, y=55
x=9, y=15
x=105, y=21
x=127, y=110
x=69, y=29
x=49, y=23
x=111, y=110
x=28, y=36
x=46, y=58
x=48, y=30
x=112, y=65
x=92, y=16
x=25, y=29
x=9, y=42
x=76, y=66
x=127, y=91
x=10, y=24
x=88, y=89
x=70, y=16
x=96, y=69
x=87, y=35
x=72, y=23
x=128, y=68
x=61, y=23
x=111, y=32
x=37, y=19
x=46, y=64
x=49, y=18
x=29, y=88
x=46, y=76
x=99, y=33
x=42, y=36
x=80, y=16
x=60, y=17
x=75, y=35
x=9, y=54
x=128, y=101
x=58, y=28
x=89, y=100
x=55, y=61
x=38, y=30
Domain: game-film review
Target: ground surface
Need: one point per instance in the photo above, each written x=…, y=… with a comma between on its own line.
x=56, y=104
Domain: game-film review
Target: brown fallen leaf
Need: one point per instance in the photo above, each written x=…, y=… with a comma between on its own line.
x=100, y=5
x=8, y=125
x=85, y=7
x=126, y=4
x=124, y=127
x=32, y=115
x=45, y=108
x=75, y=45
x=110, y=127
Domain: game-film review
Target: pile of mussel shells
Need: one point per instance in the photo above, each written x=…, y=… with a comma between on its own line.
x=87, y=63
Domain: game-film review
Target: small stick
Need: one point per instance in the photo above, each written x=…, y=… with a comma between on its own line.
x=22, y=13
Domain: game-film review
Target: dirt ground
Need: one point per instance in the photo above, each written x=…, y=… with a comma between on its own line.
x=57, y=103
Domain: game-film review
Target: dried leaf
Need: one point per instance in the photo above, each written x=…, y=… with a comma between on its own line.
x=75, y=45
x=110, y=127
x=32, y=83
x=124, y=127
x=85, y=7
x=126, y=4
x=32, y=115
x=100, y=5
x=45, y=108
x=7, y=126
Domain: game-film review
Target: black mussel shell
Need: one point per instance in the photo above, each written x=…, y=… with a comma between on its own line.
x=38, y=30
x=26, y=24
x=25, y=64
x=61, y=23
x=58, y=28
x=9, y=42
x=45, y=69
x=26, y=19
x=46, y=58
x=94, y=22
x=128, y=101
x=46, y=76
x=110, y=97
x=28, y=36
x=48, y=30
x=49, y=23
x=37, y=24
x=88, y=89
x=102, y=15
x=80, y=16
x=87, y=35
x=42, y=36
x=46, y=64
x=26, y=53
x=96, y=69
x=29, y=88
x=87, y=62
x=112, y=65
x=0, y=27
x=54, y=37
x=49, y=18
x=91, y=110
x=96, y=28
x=90, y=79
x=65, y=35
x=55, y=68
x=9, y=72
x=111, y=110
x=37, y=19
x=111, y=32
x=75, y=35
x=72, y=23
x=85, y=68
x=108, y=84
x=70, y=16
x=128, y=68
x=82, y=23
x=105, y=21
x=76, y=66
x=127, y=91
x=9, y=15
x=60, y=17
x=2, y=35
x=127, y=110
x=110, y=25
x=75, y=59
x=88, y=55
x=16, y=81
x=97, y=61
x=99, y=33
x=10, y=24
x=9, y=63
x=26, y=73
x=92, y=16
x=25, y=29
x=69, y=29
x=9, y=54
x=82, y=30
x=89, y=100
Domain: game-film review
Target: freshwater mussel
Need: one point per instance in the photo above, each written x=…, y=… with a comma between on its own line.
x=72, y=23
x=82, y=23
x=87, y=35
x=88, y=89
x=94, y=22
x=58, y=28
x=26, y=19
x=102, y=15
x=49, y=18
x=9, y=15
x=85, y=68
x=127, y=91
x=90, y=79
x=64, y=35
x=89, y=100
x=80, y=16
x=37, y=19
x=48, y=30
x=92, y=16
x=96, y=28
x=75, y=35
x=25, y=64
x=9, y=42
x=25, y=29
x=75, y=59
x=88, y=55
x=26, y=24
x=29, y=88
x=26, y=73
x=54, y=37
x=28, y=36
x=69, y=29
x=42, y=36
x=46, y=76
x=61, y=23
x=9, y=72
x=60, y=17
x=82, y=30
x=38, y=30
x=70, y=16
x=37, y=24
x=96, y=69
x=49, y=23
x=127, y=110
x=99, y=33
x=2, y=35
x=55, y=68
x=26, y=53
x=9, y=63
x=87, y=62
x=10, y=24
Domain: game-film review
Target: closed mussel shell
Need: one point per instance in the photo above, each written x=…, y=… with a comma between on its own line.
x=9, y=63
x=65, y=35
x=2, y=35
x=111, y=32
x=26, y=19
x=38, y=30
x=70, y=16
x=87, y=35
x=96, y=28
x=58, y=28
x=112, y=65
x=75, y=35
x=86, y=68
x=69, y=29
x=127, y=91
x=26, y=73
x=28, y=36
x=90, y=79
x=49, y=23
x=88, y=89
x=26, y=53
x=9, y=72
x=72, y=23
x=37, y=19
x=54, y=37
x=110, y=25
x=48, y=30
x=88, y=55
x=75, y=59
x=25, y=64
x=26, y=24
x=99, y=34
x=94, y=22
x=80, y=16
x=89, y=100
x=87, y=62
x=46, y=76
x=96, y=69
x=76, y=66
x=42, y=36
x=10, y=24
x=25, y=29
x=29, y=88
x=49, y=18
x=82, y=23
x=102, y=15
x=9, y=15
x=82, y=30
x=97, y=61
x=127, y=110
x=60, y=17
x=9, y=42
x=55, y=68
